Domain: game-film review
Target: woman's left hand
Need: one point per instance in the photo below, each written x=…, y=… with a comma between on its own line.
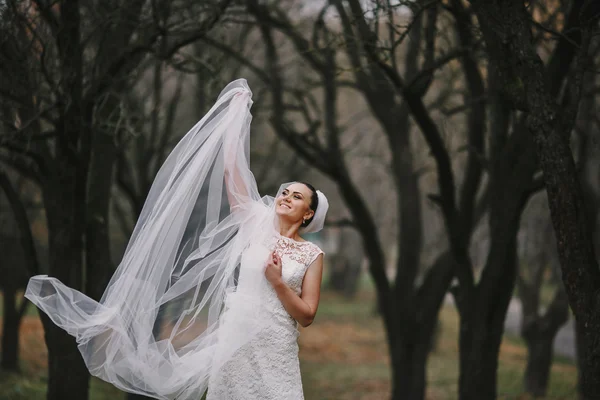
x=273, y=269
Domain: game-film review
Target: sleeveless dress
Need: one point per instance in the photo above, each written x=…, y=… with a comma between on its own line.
x=267, y=367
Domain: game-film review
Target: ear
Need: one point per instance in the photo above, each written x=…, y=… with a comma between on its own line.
x=309, y=214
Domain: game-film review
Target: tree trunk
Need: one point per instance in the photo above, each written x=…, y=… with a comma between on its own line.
x=580, y=351
x=345, y=265
x=64, y=194
x=409, y=356
x=481, y=330
x=539, y=329
x=68, y=377
x=483, y=306
x=539, y=361
x=344, y=273
x=506, y=28
x=16, y=277
x=64, y=200
x=409, y=363
x=411, y=341
x=10, y=331
x=479, y=346
x=592, y=207
x=539, y=334
x=550, y=129
x=99, y=264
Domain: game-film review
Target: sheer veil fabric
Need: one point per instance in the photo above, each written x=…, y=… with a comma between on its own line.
x=195, y=249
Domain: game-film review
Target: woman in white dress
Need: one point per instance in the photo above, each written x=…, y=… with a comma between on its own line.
x=214, y=281
x=267, y=367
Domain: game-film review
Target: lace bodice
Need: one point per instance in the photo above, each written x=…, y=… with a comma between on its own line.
x=296, y=257
x=267, y=367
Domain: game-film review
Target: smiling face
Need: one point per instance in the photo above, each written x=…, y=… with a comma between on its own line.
x=293, y=203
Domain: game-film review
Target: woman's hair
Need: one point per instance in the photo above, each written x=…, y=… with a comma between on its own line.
x=314, y=202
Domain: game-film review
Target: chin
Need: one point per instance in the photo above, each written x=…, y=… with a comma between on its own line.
x=286, y=217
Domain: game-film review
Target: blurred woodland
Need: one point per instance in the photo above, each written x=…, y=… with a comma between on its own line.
x=456, y=140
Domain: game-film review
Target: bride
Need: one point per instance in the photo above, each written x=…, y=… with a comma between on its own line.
x=214, y=281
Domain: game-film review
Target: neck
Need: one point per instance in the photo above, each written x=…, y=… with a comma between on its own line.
x=288, y=229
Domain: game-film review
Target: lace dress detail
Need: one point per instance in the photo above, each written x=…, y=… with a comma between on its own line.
x=267, y=367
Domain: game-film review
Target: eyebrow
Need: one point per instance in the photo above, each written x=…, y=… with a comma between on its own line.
x=293, y=192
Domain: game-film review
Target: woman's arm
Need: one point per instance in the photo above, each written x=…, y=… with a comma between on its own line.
x=234, y=183
x=239, y=181
x=302, y=308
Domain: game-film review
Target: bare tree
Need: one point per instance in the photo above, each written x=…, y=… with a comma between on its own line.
x=18, y=264
x=533, y=88
x=394, y=94
x=586, y=161
x=540, y=322
x=482, y=303
x=409, y=310
x=67, y=65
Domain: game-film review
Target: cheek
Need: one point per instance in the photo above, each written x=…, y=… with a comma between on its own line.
x=300, y=206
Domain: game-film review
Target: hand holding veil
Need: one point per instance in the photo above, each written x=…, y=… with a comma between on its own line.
x=157, y=328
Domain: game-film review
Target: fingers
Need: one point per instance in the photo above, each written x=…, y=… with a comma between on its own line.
x=276, y=259
x=273, y=268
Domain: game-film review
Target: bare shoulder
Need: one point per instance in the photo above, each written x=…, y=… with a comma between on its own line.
x=314, y=252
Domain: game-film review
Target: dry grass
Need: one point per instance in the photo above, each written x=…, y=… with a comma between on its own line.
x=343, y=356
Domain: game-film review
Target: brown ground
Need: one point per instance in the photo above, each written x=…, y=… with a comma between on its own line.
x=344, y=357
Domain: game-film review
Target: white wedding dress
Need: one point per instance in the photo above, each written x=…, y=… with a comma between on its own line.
x=189, y=305
x=267, y=367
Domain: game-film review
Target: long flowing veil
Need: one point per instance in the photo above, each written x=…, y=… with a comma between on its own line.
x=174, y=310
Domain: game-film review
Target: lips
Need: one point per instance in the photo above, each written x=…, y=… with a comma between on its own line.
x=285, y=205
